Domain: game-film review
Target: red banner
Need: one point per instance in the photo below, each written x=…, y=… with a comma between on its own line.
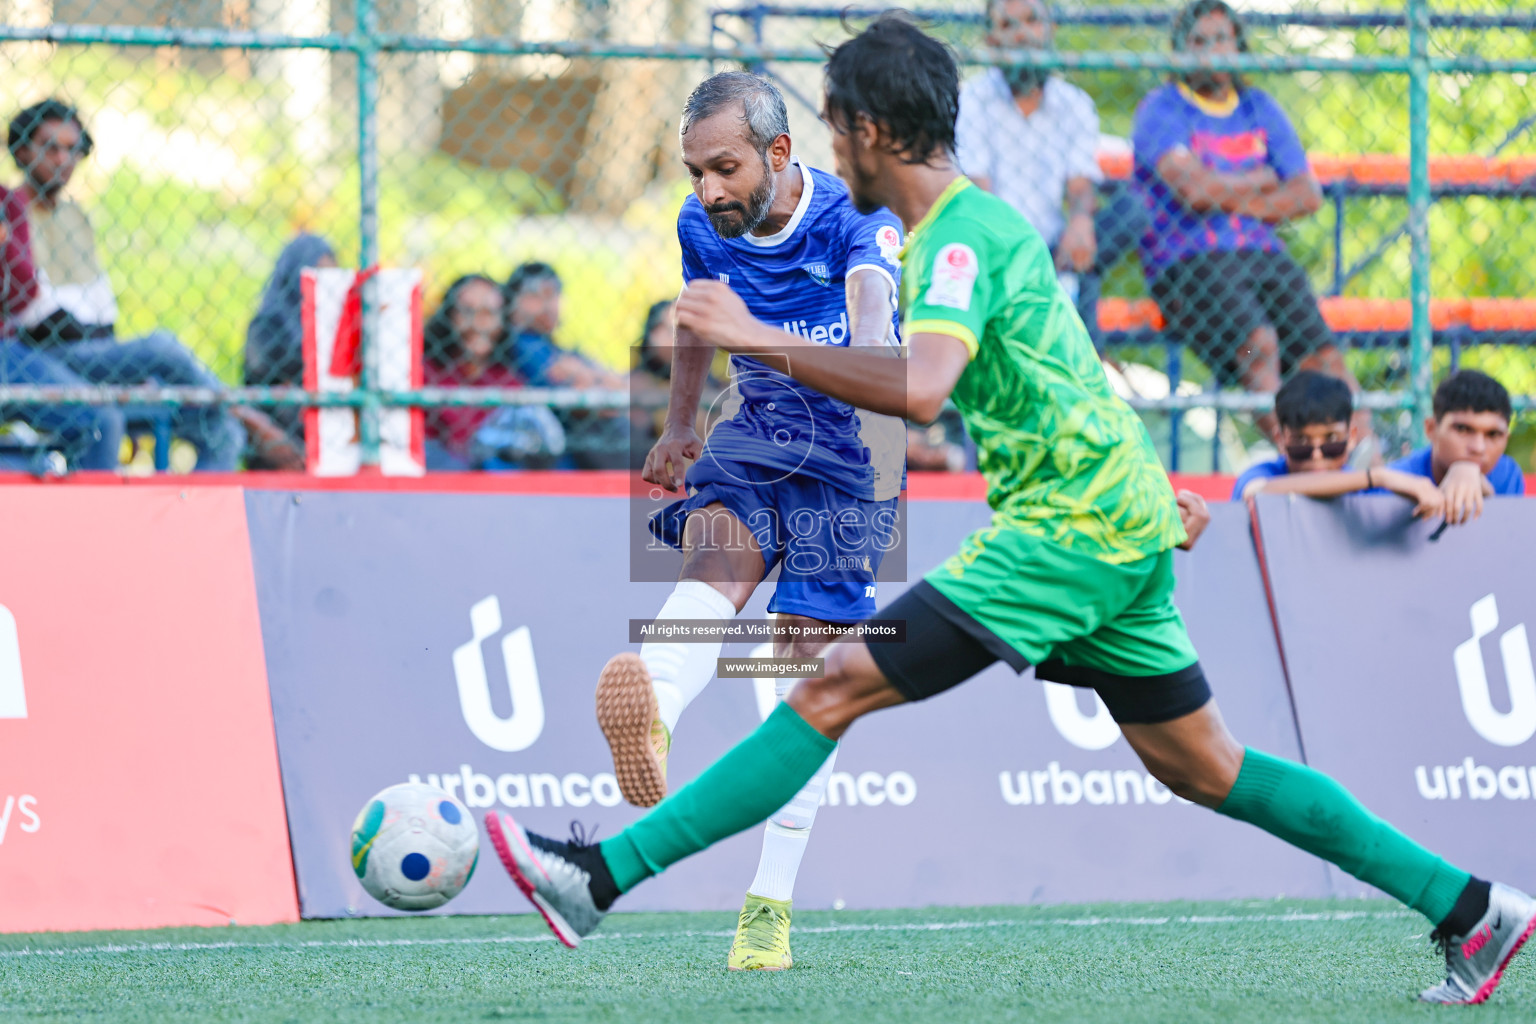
x=138, y=771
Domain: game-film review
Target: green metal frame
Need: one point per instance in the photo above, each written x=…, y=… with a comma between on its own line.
x=367, y=42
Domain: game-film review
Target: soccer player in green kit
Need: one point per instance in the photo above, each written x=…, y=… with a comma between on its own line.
x=1074, y=576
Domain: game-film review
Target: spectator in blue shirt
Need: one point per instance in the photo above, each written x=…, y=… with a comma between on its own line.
x=1467, y=437
x=1316, y=436
x=534, y=294
x=1222, y=168
x=599, y=439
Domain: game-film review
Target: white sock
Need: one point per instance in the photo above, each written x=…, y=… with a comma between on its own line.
x=679, y=672
x=786, y=837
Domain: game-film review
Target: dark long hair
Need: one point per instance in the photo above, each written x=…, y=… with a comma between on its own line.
x=441, y=343
x=901, y=78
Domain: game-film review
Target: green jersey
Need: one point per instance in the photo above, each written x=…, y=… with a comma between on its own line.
x=1064, y=458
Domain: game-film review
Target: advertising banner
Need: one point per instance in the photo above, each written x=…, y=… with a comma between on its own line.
x=1410, y=660
x=457, y=639
x=138, y=772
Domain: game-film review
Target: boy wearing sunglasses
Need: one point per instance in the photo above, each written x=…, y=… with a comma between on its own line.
x=1316, y=438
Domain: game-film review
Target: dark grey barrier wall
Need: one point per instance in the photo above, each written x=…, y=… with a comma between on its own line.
x=457, y=638
x=1410, y=662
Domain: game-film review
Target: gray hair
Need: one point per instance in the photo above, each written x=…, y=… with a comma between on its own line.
x=762, y=105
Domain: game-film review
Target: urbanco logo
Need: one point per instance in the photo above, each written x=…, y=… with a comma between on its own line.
x=13, y=695
x=1090, y=732
x=1505, y=728
x=523, y=726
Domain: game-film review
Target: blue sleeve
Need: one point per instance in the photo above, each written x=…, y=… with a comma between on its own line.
x=1506, y=478
x=1417, y=463
x=873, y=240
x=1161, y=125
x=532, y=357
x=1259, y=471
x=693, y=266
x=1286, y=155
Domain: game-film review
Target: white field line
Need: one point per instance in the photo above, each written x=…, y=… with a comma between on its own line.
x=1195, y=920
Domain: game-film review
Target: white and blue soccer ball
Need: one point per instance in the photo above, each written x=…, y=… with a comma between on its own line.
x=414, y=847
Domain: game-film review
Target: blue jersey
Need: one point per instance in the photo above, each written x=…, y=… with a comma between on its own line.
x=795, y=280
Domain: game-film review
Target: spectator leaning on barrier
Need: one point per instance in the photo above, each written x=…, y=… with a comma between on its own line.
x=1221, y=165
x=598, y=439
x=465, y=344
x=89, y=437
x=73, y=316
x=534, y=296
x=1032, y=138
x=1317, y=436
x=1467, y=437
x=274, y=341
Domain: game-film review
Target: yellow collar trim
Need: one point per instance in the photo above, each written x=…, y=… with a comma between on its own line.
x=1215, y=108
x=954, y=188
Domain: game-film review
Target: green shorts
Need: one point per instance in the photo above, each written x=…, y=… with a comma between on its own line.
x=1012, y=596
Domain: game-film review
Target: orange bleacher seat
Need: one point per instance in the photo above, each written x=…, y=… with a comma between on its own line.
x=1387, y=169
x=1353, y=314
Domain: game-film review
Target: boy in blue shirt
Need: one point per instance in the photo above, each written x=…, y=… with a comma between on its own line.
x=1316, y=437
x=1467, y=437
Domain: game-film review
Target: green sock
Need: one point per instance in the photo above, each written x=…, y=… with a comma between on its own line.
x=755, y=778
x=1311, y=811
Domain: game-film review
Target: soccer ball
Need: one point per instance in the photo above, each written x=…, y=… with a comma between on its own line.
x=414, y=847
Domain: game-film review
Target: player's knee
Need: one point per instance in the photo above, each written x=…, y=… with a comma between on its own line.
x=715, y=567
x=832, y=701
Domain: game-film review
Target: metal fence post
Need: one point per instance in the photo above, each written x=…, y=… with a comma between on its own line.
x=1421, y=337
x=368, y=209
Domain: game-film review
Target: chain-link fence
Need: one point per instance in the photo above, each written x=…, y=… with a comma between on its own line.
x=523, y=156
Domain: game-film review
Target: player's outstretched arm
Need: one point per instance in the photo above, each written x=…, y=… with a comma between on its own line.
x=914, y=388
x=1427, y=499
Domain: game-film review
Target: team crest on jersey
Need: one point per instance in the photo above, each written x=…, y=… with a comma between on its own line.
x=889, y=241
x=818, y=272
x=954, y=277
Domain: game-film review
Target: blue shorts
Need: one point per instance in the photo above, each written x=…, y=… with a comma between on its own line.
x=827, y=542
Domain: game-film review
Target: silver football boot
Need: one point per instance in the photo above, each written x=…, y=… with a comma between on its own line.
x=550, y=874
x=1475, y=961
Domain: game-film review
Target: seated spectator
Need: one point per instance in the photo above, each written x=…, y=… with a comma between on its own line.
x=1316, y=436
x=599, y=439
x=1032, y=138
x=464, y=344
x=73, y=315
x=1468, y=434
x=274, y=341
x=88, y=437
x=1221, y=166
x=534, y=294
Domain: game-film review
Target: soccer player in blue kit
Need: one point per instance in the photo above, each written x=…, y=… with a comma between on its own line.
x=788, y=480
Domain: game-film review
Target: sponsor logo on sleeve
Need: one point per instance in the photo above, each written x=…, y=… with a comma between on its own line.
x=889, y=241
x=953, y=278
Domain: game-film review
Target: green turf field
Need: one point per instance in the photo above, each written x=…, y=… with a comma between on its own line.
x=1229, y=962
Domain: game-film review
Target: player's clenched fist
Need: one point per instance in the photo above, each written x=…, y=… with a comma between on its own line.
x=668, y=461
x=715, y=314
x=1195, y=517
